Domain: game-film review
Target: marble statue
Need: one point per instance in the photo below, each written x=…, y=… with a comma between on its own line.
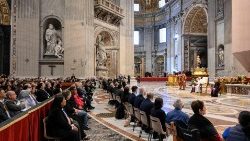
x=221, y=57
x=101, y=55
x=59, y=49
x=51, y=39
x=198, y=60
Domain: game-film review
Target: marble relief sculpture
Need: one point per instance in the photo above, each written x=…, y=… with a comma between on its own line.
x=101, y=55
x=221, y=56
x=53, y=42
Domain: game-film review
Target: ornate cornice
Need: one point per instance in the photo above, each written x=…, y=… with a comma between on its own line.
x=109, y=12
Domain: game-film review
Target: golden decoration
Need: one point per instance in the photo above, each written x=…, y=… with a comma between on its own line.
x=196, y=21
x=4, y=13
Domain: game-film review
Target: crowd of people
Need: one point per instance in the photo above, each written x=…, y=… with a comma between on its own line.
x=146, y=102
x=67, y=119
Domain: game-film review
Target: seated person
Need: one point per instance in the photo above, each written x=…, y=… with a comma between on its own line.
x=198, y=121
x=59, y=124
x=147, y=105
x=83, y=94
x=41, y=94
x=125, y=94
x=76, y=98
x=176, y=115
x=79, y=115
x=4, y=115
x=159, y=113
x=240, y=132
x=139, y=98
x=13, y=105
x=26, y=96
x=132, y=96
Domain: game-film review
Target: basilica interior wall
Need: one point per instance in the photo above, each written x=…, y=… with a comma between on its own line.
x=240, y=35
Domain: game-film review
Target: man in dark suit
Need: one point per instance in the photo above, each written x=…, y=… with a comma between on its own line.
x=132, y=96
x=13, y=105
x=139, y=98
x=3, y=111
x=146, y=106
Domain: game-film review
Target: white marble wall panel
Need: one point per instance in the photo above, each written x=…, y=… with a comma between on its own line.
x=52, y=7
x=58, y=71
x=27, y=8
x=27, y=46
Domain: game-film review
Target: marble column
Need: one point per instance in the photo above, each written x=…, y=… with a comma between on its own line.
x=79, y=41
x=148, y=42
x=126, y=55
x=211, y=38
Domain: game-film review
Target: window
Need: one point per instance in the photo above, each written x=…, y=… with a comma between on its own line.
x=136, y=7
x=163, y=35
x=136, y=37
x=161, y=3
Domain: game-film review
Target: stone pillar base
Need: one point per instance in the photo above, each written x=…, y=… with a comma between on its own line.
x=101, y=71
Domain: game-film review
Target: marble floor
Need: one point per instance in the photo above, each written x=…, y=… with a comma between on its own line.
x=222, y=111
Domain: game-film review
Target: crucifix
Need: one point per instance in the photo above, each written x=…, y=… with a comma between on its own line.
x=52, y=69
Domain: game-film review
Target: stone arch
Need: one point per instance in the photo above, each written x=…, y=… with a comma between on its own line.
x=4, y=13
x=113, y=34
x=196, y=20
x=107, y=38
x=58, y=25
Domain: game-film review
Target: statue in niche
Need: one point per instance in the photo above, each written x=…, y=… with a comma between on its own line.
x=198, y=60
x=101, y=54
x=221, y=56
x=53, y=42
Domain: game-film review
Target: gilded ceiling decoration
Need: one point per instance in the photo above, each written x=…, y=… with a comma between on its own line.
x=196, y=21
x=4, y=13
x=149, y=5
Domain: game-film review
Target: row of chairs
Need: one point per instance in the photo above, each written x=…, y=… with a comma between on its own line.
x=179, y=133
x=141, y=117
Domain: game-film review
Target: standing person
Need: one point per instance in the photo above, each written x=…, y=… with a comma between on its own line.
x=129, y=79
x=198, y=121
x=183, y=79
x=59, y=124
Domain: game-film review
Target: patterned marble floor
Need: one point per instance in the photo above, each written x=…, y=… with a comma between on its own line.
x=222, y=111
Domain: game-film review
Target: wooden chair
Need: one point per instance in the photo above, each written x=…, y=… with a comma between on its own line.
x=131, y=112
x=157, y=127
x=138, y=117
x=45, y=131
x=144, y=120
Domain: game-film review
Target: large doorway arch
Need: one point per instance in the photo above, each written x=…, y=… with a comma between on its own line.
x=195, y=37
